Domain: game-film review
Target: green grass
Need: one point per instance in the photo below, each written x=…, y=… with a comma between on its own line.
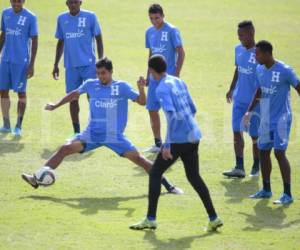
x=98, y=195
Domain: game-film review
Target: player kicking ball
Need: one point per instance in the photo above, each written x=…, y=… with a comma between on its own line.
x=108, y=119
x=274, y=79
x=182, y=141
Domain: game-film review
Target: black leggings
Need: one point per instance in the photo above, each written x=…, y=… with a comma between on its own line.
x=188, y=152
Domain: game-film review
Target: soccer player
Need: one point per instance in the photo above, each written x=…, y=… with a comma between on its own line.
x=77, y=31
x=274, y=80
x=108, y=119
x=18, y=47
x=164, y=39
x=241, y=91
x=182, y=141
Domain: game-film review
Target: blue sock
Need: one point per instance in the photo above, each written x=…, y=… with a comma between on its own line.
x=287, y=189
x=239, y=162
x=151, y=218
x=212, y=218
x=157, y=142
x=256, y=162
x=267, y=186
x=76, y=127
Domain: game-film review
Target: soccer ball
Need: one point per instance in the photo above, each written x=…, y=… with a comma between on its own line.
x=45, y=176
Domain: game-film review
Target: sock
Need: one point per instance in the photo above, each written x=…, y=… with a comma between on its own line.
x=158, y=142
x=267, y=186
x=6, y=122
x=287, y=189
x=239, y=162
x=256, y=163
x=19, y=122
x=213, y=217
x=151, y=218
x=76, y=127
x=166, y=184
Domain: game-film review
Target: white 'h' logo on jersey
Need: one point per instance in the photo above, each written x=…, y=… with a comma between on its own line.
x=22, y=20
x=275, y=76
x=81, y=22
x=115, y=90
x=252, y=58
x=164, y=36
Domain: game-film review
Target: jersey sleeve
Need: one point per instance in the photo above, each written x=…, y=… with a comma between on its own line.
x=292, y=78
x=83, y=88
x=147, y=40
x=165, y=100
x=59, y=33
x=176, y=38
x=2, y=22
x=33, y=29
x=96, y=30
x=130, y=92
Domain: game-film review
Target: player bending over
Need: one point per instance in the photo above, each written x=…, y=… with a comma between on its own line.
x=108, y=119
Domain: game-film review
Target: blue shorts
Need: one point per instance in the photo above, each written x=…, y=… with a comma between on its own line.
x=277, y=138
x=13, y=77
x=117, y=143
x=76, y=76
x=152, y=101
x=238, y=112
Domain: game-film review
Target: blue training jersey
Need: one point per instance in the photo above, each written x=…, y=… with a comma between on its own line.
x=18, y=28
x=246, y=85
x=180, y=110
x=78, y=33
x=164, y=42
x=108, y=105
x=275, y=85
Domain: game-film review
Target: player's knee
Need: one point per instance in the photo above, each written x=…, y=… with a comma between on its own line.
x=4, y=94
x=66, y=150
x=279, y=154
x=155, y=173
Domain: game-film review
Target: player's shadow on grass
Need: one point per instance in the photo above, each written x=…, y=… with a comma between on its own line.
x=11, y=146
x=47, y=153
x=237, y=190
x=267, y=217
x=180, y=243
x=90, y=206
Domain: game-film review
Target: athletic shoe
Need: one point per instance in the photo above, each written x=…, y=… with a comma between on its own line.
x=176, y=190
x=5, y=130
x=254, y=172
x=144, y=224
x=17, y=132
x=153, y=150
x=214, y=225
x=30, y=179
x=235, y=172
x=284, y=200
x=262, y=194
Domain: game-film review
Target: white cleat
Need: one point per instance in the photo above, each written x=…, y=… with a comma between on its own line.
x=153, y=150
x=176, y=190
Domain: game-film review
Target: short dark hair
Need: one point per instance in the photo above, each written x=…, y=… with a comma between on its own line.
x=158, y=63
x=265, y=46
x=245, y=24
x=155, y=9
x=104, y=63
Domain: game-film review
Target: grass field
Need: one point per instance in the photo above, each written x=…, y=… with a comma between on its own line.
x=99, y=194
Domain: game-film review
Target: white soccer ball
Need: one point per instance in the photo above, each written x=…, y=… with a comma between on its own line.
x=45, y=176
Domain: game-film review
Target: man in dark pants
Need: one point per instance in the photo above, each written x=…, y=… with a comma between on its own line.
x=182, y=141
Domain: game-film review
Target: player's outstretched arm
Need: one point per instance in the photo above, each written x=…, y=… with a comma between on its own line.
x=34, y=48
x=74, y=95
x=100, y=46
x=180, y=60
x=141, y=83
x=58, y=55
x=2, y=40
x=229, y=94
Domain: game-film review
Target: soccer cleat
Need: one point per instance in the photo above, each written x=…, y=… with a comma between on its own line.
x=254, y=172
x=144, y=224
x=235, y=172
x=176, y=190
x=153, y=150
x=30, y=179
x=5, y=130
x=17, y=132
x=214, y=225
x=284, y=200
x=262, y=194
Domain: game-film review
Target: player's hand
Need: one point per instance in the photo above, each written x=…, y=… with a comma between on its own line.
x=229, y=95
x=50, y=106
x=55, y=73
x=141, y=82
x=247, y=118
x=166, y=154
x=30, y=71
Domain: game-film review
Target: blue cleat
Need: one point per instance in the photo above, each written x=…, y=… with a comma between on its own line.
x=284, y=200
x=262, y=194
x=17, y=132
x=5, y=130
